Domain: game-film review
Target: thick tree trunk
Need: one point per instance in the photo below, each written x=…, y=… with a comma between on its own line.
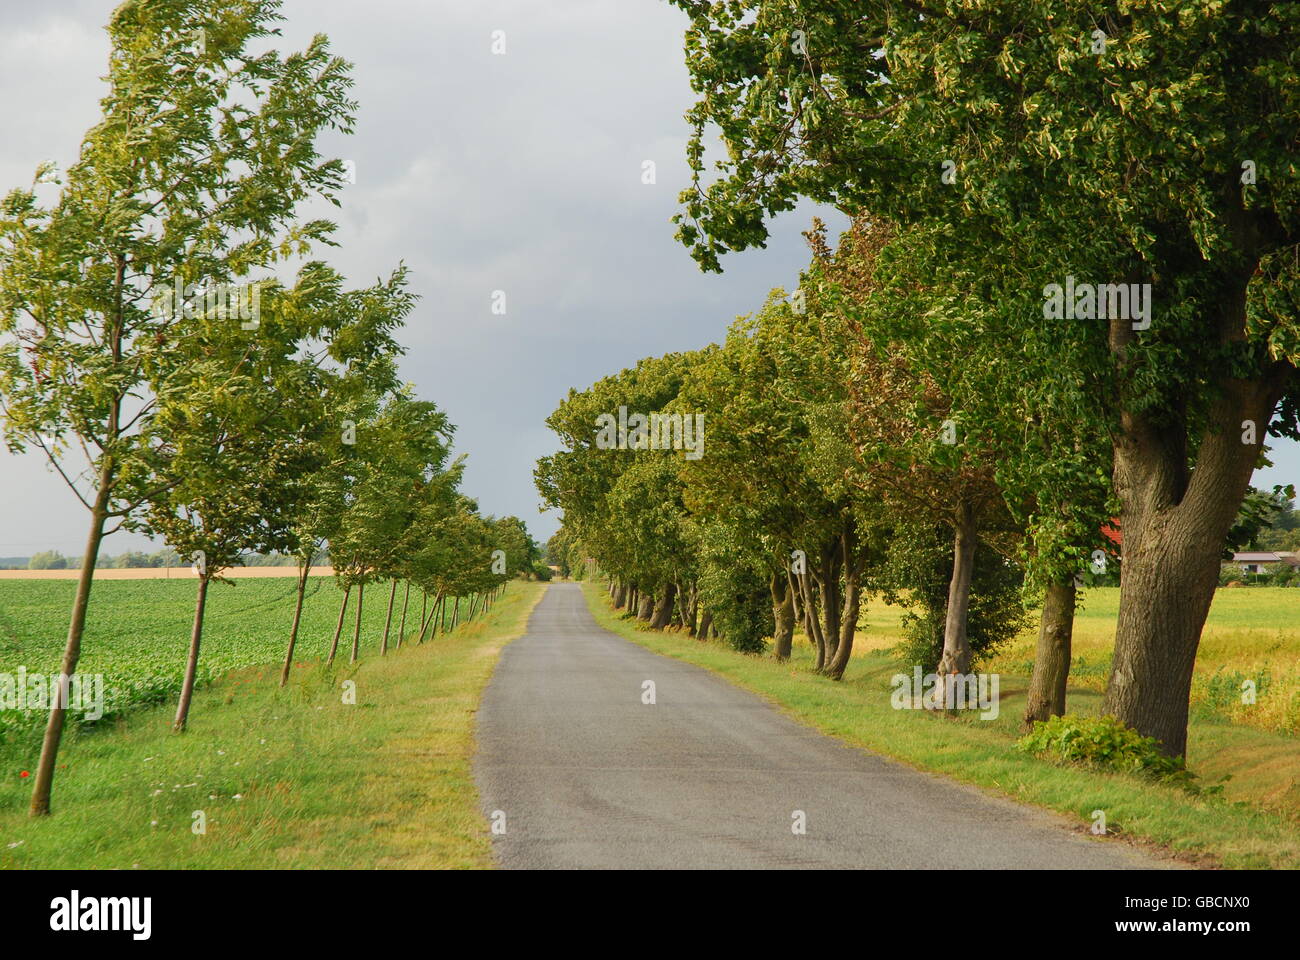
x=356, y=627
x=956, y=657
x=663, y=610
x=297, y=620
x=338, y=627
x=388, y=621
x=43, y=785
x=782, y=614
x=645, y=606
x=706, y=621
x=192, y=661
x=1174, y=524
x=1052, y=660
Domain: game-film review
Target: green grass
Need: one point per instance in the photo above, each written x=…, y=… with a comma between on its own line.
x=291, y=778
x=1254, y=824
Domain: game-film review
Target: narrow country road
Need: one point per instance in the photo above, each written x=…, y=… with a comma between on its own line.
x=582, y=773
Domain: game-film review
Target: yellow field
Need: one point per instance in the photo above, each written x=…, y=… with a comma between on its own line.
x=1251, y=633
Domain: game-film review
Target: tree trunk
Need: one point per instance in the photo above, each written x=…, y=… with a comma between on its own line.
x=645, y=605
x=338, y=627
x=455, y=613
x=852, y=598
x=356, y=627
x=829, y=585
x=1174, y=524
x=192, y=661
x=812, y=623
x=663, y=610
x=686, y=601
x=706, y=621
x=956, y=657
x=401, y=629
x=297, y=620
x=429, y=623
x=388, y=621
x=44, y=783
x=1052, y=660
x=782, y=614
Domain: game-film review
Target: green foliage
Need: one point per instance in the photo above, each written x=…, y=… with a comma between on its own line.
x=47, y=560
x=1103, y=742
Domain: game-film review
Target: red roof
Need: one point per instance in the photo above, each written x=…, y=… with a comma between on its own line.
x=1112, y=532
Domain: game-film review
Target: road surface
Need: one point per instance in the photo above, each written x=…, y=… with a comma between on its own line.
x=580, y=772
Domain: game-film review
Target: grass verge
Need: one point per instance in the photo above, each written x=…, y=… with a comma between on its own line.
x=292, y=778
x=1206, y=830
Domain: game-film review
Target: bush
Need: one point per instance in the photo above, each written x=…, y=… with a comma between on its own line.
x=1103, y=742
x=541, y=571
x=1229, y=573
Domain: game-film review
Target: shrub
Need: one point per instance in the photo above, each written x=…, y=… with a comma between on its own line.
x=1103, y=742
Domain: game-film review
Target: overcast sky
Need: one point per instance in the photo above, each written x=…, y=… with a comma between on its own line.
x=519, y=173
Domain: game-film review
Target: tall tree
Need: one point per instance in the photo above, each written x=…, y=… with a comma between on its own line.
x=203, y=154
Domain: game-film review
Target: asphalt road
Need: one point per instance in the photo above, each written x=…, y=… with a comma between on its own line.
x=580, y=772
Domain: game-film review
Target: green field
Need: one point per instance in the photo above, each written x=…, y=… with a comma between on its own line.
x=137, y=635
x=288, y=778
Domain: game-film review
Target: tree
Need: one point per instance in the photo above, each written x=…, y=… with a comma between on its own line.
x=188, y=184
x=396, y=456
x=1050, y=142
x=241, y=449
x=47, y=560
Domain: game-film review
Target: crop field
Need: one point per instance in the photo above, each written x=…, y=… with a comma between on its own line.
x=137, y=633
x=1251, y=633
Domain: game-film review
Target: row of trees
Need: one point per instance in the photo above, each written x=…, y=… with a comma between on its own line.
x=1019, y=147
x=853, y=446
x=180, y=387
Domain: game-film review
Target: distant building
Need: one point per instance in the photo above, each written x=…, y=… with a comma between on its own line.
x=1264, y=562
